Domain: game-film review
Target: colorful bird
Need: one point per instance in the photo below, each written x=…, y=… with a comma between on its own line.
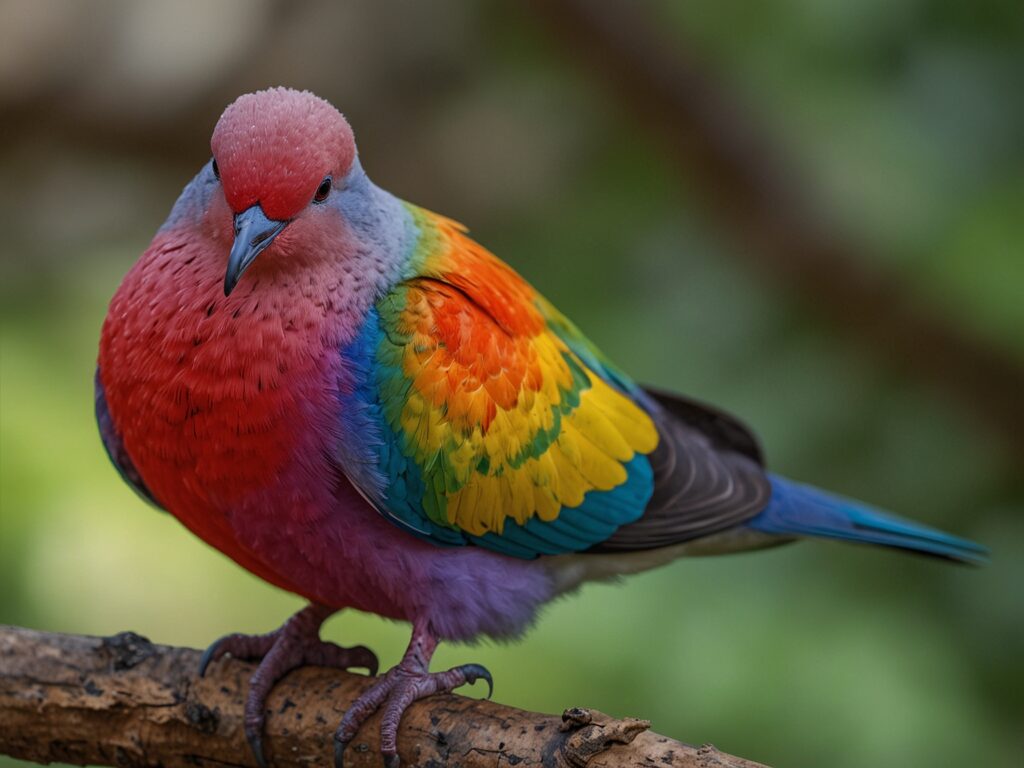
x=354, y=400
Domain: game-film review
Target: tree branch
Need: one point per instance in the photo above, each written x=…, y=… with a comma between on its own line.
x=127, y=702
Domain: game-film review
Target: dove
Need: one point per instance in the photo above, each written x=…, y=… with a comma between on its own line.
x=354, y=400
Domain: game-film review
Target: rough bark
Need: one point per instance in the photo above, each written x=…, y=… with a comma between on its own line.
x=127, y=702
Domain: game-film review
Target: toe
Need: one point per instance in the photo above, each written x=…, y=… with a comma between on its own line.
x=363, y=657
x=239, y=646
x=331, y=655
x=359, y=712
x=275, y=665
x=399, y=701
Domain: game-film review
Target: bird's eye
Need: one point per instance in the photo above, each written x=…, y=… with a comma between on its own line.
x=323, y=190
x=215, y=168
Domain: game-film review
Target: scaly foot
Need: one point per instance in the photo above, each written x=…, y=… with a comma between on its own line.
x=410, y=681
x=297, y=643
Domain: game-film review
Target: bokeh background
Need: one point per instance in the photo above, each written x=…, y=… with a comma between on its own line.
x=871, y=331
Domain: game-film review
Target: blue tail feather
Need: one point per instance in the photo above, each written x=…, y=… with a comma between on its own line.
x=800, y=510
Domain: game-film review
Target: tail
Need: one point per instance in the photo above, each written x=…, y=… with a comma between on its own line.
x=800, y=510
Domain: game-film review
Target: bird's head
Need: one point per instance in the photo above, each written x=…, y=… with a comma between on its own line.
x=280, y=156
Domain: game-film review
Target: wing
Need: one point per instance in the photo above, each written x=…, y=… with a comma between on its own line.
x=474, y=413
x=708, y=466
x=469, y=420
x=708, y=477
x=115, y=448
x=725, y=431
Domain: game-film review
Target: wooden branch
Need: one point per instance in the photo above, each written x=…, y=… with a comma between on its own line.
x=758, y=195
x=127, y=702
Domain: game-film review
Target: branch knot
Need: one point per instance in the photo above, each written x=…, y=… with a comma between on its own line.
x=593, y=732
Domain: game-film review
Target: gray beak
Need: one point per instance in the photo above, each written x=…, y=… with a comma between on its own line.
x=253, y=232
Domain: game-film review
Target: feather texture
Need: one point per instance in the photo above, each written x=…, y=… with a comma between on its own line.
x=375, y=373
x=802, y=510
x=488, y=426
x=114, y=446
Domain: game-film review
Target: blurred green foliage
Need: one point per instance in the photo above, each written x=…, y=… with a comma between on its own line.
x=907, y=116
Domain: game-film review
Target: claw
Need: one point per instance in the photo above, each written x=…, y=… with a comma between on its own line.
x=256, y=744
x=474, y=672
x=210, y=654
x=339, y=753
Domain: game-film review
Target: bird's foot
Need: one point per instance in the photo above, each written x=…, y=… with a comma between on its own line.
x=295, y=644
x=410, y=681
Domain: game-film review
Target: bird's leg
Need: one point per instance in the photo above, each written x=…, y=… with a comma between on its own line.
x=295, y=644
x=400, y=686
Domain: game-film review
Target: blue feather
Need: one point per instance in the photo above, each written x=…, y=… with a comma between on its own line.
x=578, y=528
x=800, y=510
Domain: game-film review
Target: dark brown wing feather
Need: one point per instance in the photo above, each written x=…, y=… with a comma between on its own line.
x=708, y=476
x=723, y=429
